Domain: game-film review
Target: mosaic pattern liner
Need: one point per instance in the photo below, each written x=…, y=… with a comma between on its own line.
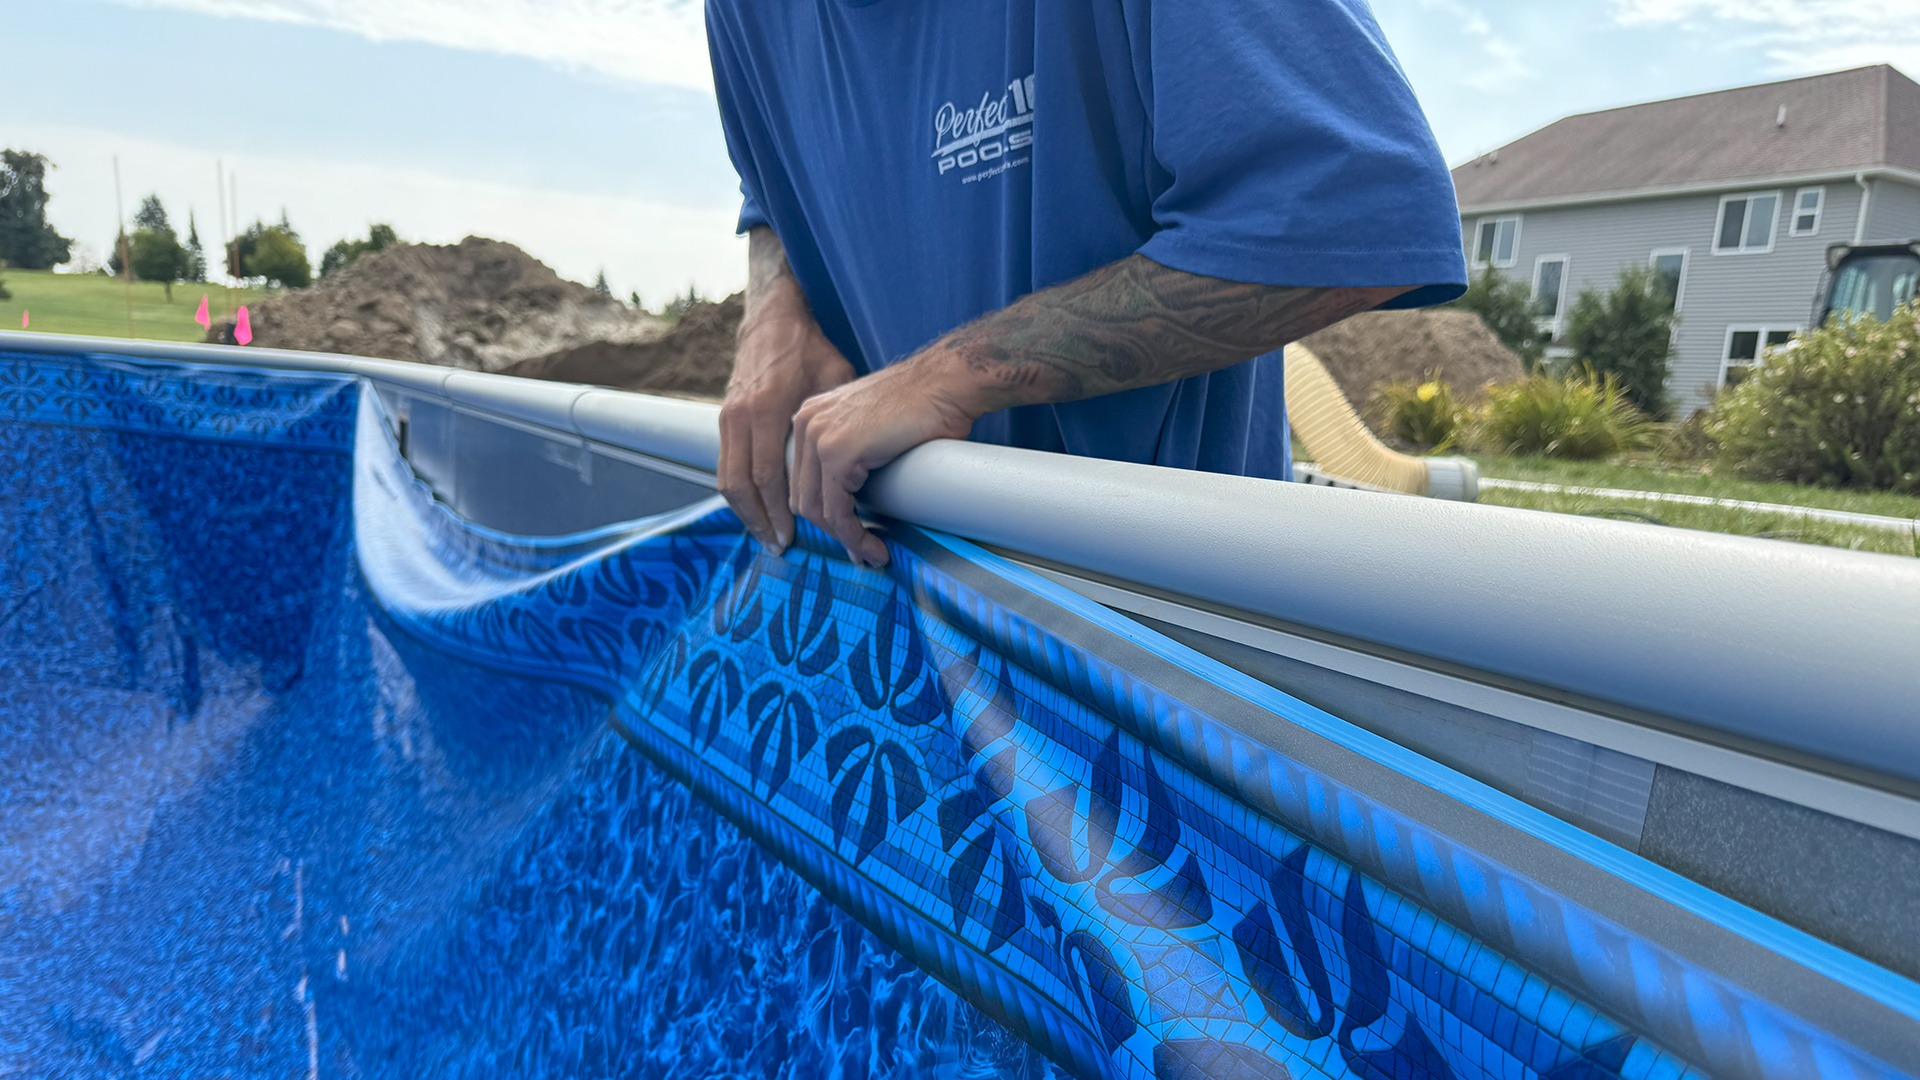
x=846, y=784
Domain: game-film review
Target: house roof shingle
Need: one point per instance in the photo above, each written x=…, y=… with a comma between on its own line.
x=1866, y=118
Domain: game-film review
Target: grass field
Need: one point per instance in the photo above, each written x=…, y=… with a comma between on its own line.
x=1596, y=474
x=1738, y=522
x=1734, y=522
x=99, y=306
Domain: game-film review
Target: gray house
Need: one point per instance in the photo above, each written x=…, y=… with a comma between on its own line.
x=1733, y=196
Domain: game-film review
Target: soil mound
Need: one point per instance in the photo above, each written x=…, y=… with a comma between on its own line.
x=1370, y=351
x=693, y=359
x=479, y=304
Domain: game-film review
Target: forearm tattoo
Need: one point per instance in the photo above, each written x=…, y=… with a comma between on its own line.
x=1137, y=323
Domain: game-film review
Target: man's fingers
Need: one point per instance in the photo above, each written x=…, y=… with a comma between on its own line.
x=736, y=477
x=804, y=480
x=768, y=473
x=840, y=478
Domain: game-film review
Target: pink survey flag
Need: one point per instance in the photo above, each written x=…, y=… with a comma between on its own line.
x=243, y=327
x=203, y=316
x=26, y=319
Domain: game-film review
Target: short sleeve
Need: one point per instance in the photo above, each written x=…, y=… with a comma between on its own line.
x=732, y=89
x=751, y=216
x=1292, y=150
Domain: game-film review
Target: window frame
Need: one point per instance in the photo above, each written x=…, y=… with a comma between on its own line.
x=1482, y=260
x=1760, y=347
x=1746, y=228
x=1558, y=321
x=1819, y=211
x=1686, y=266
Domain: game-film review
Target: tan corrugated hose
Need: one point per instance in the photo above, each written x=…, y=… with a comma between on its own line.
x=1341, y=445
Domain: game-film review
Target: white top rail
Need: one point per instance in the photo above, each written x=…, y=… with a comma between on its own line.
x=1813, y=653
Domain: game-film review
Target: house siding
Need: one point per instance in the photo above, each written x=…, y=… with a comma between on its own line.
x=1719, y=291
x=1895, y=213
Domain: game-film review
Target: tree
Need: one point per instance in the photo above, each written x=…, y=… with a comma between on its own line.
x=27, y=239
x=273, y=252
x=196, y=255
x=633, y=300
x=678, y=306
x=1628, y=333
x=157, y=255
x=151, y=215
x=600, y=284
x=338, y=257
x=347, y=252
x=1507, y=308
x=281, y=258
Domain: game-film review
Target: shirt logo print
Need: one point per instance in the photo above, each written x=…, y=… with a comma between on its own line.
x=991, y=137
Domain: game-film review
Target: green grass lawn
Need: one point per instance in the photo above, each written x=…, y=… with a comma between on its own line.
x=1712, y=519
x=1694, y=481
x=107, y=307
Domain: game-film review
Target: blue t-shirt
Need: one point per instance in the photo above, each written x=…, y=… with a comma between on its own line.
x=925, y=162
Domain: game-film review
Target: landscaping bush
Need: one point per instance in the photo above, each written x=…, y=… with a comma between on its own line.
x=4, y=294
x=1580, y=417
x=1684, y=443
x=1627, y=333
x=1424, y=416
x=1506, y=306
x=1839, y=409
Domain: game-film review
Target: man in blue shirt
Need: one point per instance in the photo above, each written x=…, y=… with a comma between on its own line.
x=1081, y=226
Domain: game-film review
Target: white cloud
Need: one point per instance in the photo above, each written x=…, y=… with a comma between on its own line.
x=1501, y=63
x=644, y=41
x=1796, y=36
x=657, y=249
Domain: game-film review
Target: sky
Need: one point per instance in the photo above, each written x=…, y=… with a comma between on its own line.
x=586, y=132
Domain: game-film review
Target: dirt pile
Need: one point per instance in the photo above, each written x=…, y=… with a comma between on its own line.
x=1370, y=351
x=479, y=304
x=693, y=359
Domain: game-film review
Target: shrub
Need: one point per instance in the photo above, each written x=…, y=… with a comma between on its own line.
x=1425, y=415
x=1507, y=308
x=1628, y=333
x=1579, y=416
x=4, y=294
x=1684, y=442
x=1841, y=408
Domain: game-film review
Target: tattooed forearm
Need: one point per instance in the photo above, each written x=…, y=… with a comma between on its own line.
x=1135, y=323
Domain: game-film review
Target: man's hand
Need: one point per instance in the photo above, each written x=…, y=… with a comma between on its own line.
x=843, y=435
x=783, y=360
x=1131, y=324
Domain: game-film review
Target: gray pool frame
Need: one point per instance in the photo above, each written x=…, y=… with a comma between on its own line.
x=1746, y=712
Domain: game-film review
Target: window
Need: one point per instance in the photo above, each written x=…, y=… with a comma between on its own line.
x=1746, y=224
x=1497, y=242
x=1809, y=205
x=1550, y=291
x=1670, y=268
x=1747, y=348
